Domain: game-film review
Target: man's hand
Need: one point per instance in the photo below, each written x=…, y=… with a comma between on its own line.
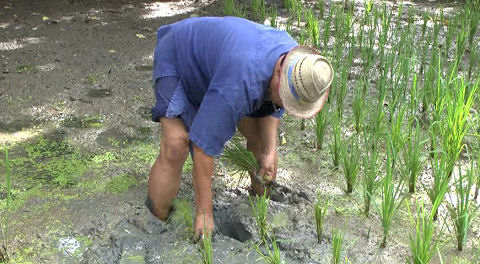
x=266, y=174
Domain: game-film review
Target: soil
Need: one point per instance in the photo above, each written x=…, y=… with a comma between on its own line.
x=75, y=97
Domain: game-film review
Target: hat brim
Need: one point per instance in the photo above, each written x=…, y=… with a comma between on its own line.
x=293, y=106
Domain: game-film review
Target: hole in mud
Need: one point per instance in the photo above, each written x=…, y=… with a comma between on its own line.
x=235, y=230
x=99, y=93
x=227, y=223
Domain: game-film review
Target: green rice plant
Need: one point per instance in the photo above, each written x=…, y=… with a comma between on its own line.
x=327, y=29
x=350, y=156
x=272, y=256
x=320, y=208
x=255, y=8
x=336, y=147
x=312, y=27
x=477, y=173
x=358, y=107
x=337, y=241
x=412, y=152
x=260, y=211
x=299, y=16
x=273, y=17
x=441, y=178
x=370, y=180
x=321, y=123
x=341, y=92
x=229, y=7
x=241, y=159
x=391, y=194
x=455, y=125
x=263, y=10
x=320, y=5
x=464, y=211
x=422, y=244
x=6, y=218
x=206, y=248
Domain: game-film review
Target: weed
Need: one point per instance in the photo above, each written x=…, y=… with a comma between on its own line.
x=320, y=208
x=260, y=210
x=337, y=238
x=463, y=212
x=350, y=157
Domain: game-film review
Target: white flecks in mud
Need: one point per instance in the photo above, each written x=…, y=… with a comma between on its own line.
x=68, y=245
x=4, y=25
x=10, y=45
x=167, y=9
x=47, y=67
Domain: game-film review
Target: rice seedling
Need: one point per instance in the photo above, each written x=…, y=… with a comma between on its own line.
x=337, y=241
x=391, y=194
x=464, y=211
x=263, y=10
x=260, y=210
x=358, y=107
x=455, y=125
x=229, y=7
x=320, y=208
x=206, y=248
x=321, y=123
x=350, y=156
x=240, y=159
x=255, y=7
x=273, y=17
x=336, y=148
x=422, y=244
x=6, y=218
x=370, y=180
x=441, y=178
x=412, y=151
x=272, y=256
x=477, y=173
x=320, y=5
x=312, y=27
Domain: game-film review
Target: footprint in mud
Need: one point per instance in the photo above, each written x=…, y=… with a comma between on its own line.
x=283, y=194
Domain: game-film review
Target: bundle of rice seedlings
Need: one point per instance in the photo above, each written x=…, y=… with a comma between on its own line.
x=239, y=158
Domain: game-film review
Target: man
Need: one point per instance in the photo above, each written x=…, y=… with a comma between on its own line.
x=212, y=75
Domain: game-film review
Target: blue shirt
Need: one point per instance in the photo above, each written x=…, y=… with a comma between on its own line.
x=224, y=65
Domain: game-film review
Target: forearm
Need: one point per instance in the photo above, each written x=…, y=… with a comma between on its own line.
x=268, y=127
x=202, y=181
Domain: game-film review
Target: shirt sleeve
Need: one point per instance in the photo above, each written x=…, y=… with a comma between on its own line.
x=214, y=124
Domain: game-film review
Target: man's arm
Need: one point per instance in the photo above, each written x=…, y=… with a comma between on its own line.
x=202, y=183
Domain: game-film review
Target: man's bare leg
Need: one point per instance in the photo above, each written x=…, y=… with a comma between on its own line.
x=166, y=173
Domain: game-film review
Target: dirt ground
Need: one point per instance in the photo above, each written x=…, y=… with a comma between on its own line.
x=75, y=98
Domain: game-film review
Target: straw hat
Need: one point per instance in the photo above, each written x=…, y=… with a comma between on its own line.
x=305, y=80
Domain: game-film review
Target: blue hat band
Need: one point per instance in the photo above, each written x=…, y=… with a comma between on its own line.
x=290, y=82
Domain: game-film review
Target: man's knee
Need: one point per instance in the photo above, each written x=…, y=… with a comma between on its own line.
x=174, y=150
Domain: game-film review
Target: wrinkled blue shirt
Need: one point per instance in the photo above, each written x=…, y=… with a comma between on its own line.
x=224, y=65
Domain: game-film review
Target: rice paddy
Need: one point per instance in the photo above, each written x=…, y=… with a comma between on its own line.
x=402, y=114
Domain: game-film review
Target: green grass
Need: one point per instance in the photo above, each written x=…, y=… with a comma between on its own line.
x=121, y=183
x=5, y=221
